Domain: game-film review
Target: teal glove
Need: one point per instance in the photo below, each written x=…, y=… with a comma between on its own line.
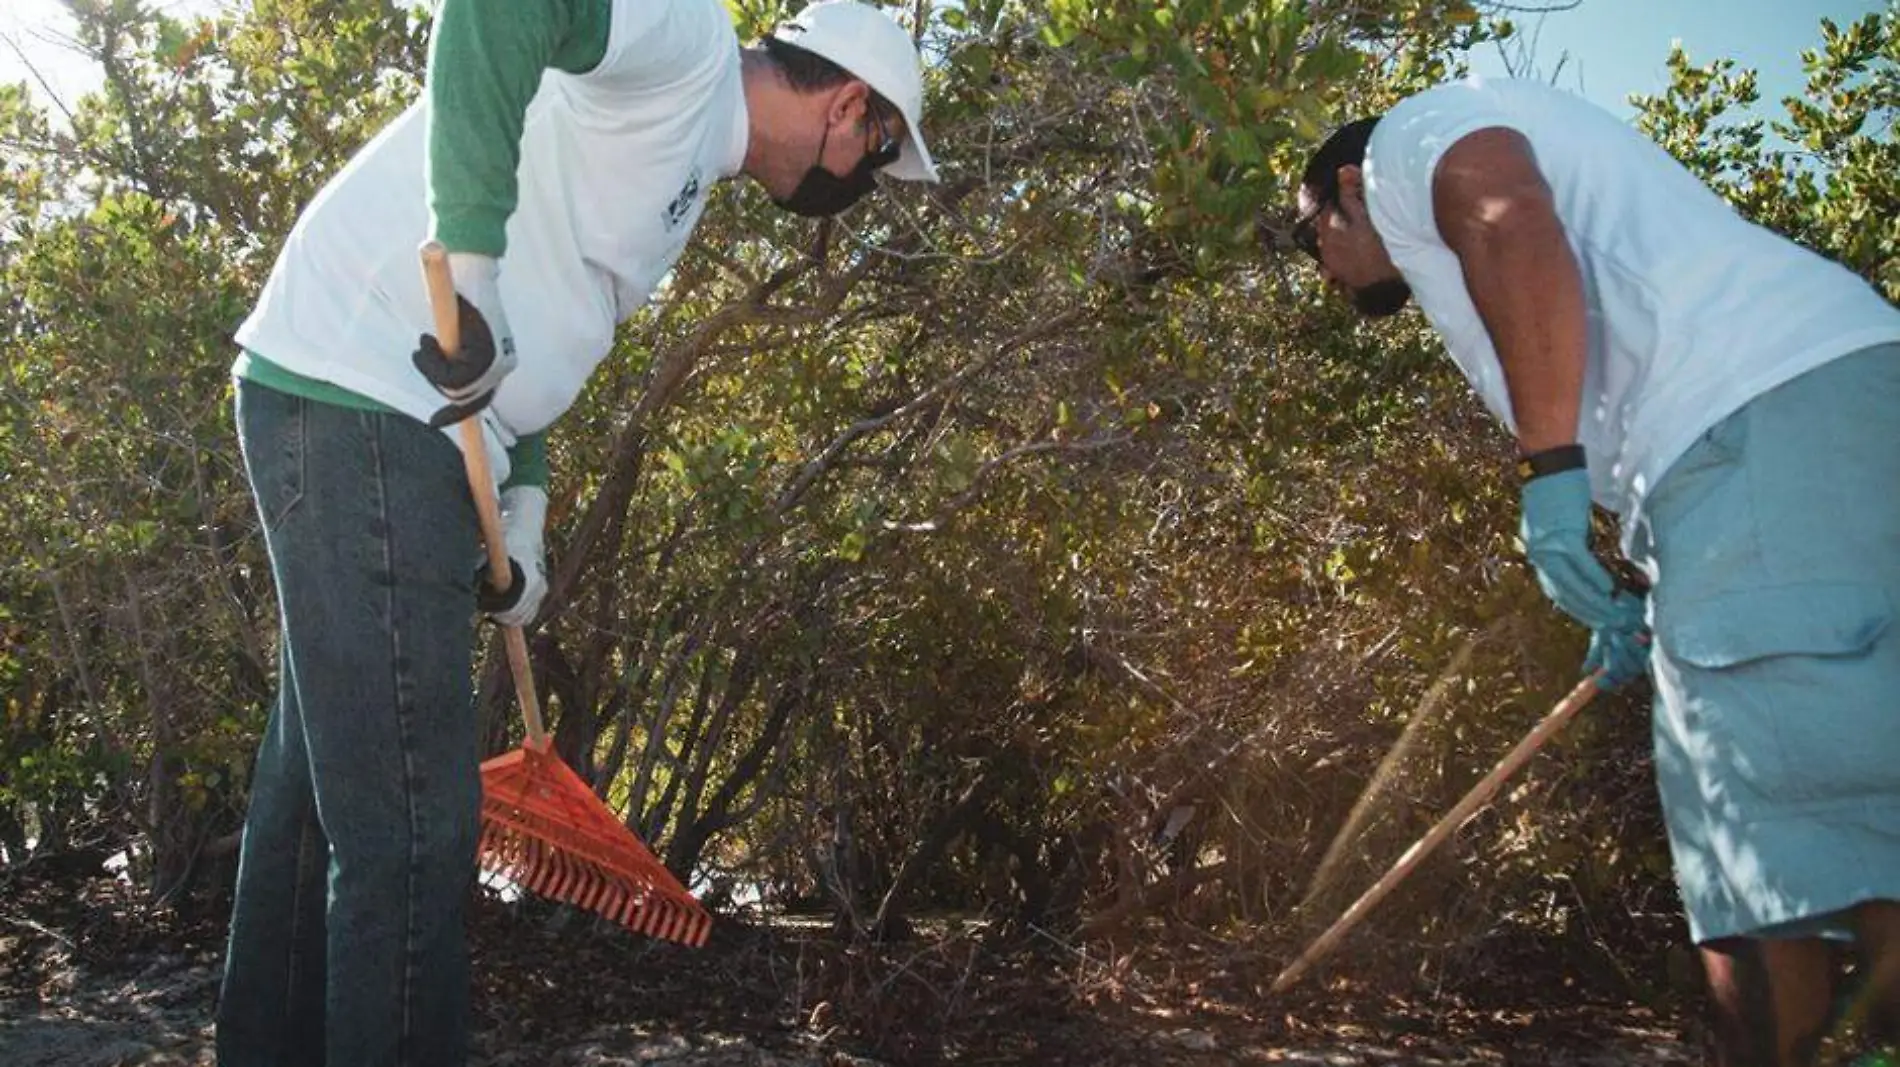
x=1556, y=530
x=1621, y=649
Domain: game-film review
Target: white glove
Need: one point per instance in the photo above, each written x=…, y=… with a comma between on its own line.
x=524, y=516
x=469, y=378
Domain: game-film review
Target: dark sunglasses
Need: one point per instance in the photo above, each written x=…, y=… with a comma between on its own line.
x=887, y=148
x=1305, y=231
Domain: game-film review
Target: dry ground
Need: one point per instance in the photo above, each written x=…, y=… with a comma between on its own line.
x=90, y=977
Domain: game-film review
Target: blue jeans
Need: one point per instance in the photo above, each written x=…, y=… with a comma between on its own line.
x=347, y=943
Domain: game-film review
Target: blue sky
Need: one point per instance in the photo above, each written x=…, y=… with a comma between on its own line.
x=1619, y=47
x=34, y=49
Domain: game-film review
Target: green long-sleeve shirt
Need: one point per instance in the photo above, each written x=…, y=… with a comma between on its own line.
x=485, y=63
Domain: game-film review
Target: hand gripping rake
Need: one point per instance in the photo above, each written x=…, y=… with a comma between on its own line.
x=1466, y=807
x=542, y=827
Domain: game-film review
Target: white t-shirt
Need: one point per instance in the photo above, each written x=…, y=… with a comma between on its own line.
x=1692, y=310
x=615, y=167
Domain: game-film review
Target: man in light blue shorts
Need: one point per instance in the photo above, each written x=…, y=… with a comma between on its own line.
x=1735, y=399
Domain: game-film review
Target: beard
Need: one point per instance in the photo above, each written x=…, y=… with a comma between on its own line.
x=1382, y=299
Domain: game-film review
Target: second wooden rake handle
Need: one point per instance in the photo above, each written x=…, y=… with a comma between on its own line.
x=1479, y=795
x=481, y=484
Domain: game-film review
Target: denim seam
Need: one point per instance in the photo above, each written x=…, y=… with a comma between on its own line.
x=411, y=950
x=294, y=957
x=307, y=823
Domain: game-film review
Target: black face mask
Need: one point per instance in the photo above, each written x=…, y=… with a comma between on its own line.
x=1382, y=299
x=821, y=193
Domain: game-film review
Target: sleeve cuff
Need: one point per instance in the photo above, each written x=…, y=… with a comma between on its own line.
x=528, y=463
x=481, y=232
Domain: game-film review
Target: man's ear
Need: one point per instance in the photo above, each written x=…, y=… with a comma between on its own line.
x=1352, y=187
x=848, y=104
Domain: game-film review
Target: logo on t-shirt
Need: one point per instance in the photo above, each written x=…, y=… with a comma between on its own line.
x=682, y=204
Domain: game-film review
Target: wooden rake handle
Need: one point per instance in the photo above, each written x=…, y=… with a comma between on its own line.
x=1479, y=795
x=481, y=483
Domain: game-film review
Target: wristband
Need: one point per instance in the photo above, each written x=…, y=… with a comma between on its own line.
x=1551, y=461
x=489, y=599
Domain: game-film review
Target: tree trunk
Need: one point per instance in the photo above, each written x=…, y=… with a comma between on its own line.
x=169, y=823
x=889, y=922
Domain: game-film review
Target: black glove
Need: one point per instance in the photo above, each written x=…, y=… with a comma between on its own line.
x=469, y=378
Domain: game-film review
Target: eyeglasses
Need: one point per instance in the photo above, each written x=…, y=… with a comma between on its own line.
x=1305, y=231
x=885, y=152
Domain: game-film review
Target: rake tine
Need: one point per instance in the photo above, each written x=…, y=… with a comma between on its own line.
x=566, y=876
x=526, y=863
x=520, y=869
x=542, y=863
x=599, y=883
x=575, y=878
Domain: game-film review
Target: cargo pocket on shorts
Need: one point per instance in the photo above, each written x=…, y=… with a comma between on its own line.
x=1782, y=685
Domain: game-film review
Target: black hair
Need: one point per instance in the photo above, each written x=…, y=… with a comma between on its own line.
x=809, y=72
x=1345, y=148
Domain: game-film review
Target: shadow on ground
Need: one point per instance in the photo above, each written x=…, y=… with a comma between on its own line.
x=90, y=977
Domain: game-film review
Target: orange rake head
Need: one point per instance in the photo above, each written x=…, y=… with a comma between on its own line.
x=544, y=830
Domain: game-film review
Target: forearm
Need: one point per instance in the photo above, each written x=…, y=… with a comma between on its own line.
x=1526, y=285
x=486, y=58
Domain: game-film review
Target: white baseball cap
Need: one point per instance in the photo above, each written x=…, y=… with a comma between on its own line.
x=876, y=50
